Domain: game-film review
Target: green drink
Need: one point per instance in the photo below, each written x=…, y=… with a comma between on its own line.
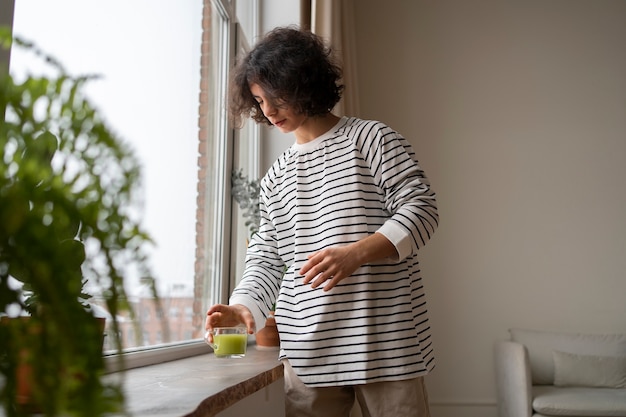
x=230, y=345
x=228, y=342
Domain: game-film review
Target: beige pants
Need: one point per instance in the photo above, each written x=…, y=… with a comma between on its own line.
x=382, y=399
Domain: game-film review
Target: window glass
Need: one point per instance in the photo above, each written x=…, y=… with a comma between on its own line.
x=151, y=55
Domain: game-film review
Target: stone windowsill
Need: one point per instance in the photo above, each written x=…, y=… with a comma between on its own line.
x=199, y=386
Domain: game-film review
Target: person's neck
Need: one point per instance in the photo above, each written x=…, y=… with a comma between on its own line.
x=314, y=127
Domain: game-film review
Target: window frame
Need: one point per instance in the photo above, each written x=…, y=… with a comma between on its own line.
x=221, y=280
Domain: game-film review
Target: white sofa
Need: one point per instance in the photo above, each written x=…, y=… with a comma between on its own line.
x=541, y=373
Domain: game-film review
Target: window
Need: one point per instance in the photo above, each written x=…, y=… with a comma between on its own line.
x=164, y=67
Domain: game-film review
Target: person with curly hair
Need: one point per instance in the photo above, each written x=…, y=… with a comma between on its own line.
x=344, y=213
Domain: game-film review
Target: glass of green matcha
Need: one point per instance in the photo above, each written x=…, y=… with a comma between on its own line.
x=228, y=342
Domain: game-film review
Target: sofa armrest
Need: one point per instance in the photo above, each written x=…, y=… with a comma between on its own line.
x=513, y=379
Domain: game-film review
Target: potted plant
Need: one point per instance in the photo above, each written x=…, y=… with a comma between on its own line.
x=68, y=218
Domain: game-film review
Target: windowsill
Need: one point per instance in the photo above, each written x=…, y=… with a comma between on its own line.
x=198, y=386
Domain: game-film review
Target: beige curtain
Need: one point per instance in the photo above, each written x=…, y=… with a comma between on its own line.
x=333, y=20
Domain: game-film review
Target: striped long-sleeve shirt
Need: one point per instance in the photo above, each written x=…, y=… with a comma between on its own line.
x=359, y=178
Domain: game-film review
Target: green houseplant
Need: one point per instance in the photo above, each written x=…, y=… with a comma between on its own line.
x=246, y=193
x=68, y=216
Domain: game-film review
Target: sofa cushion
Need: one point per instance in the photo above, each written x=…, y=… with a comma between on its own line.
x=572, y=370
x=579, y=402
x=540, y=345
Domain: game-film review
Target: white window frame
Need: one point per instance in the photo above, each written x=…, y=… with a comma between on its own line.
x=220, y=279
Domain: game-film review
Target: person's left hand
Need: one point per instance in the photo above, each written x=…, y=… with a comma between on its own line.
x=330, y=266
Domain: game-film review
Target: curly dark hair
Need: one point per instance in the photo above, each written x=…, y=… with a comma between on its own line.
x=294, y=68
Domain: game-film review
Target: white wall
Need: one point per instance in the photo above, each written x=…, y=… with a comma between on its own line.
x=517, y=111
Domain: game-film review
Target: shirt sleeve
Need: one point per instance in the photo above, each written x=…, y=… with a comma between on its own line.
x=260, y=283
x=407, y=192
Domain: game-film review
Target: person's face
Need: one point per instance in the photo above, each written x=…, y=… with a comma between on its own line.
x=279, y=115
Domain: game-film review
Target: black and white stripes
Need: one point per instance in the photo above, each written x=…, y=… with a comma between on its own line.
x=359, y=178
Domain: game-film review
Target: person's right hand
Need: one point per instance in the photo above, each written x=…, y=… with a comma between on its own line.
x=222, y=315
